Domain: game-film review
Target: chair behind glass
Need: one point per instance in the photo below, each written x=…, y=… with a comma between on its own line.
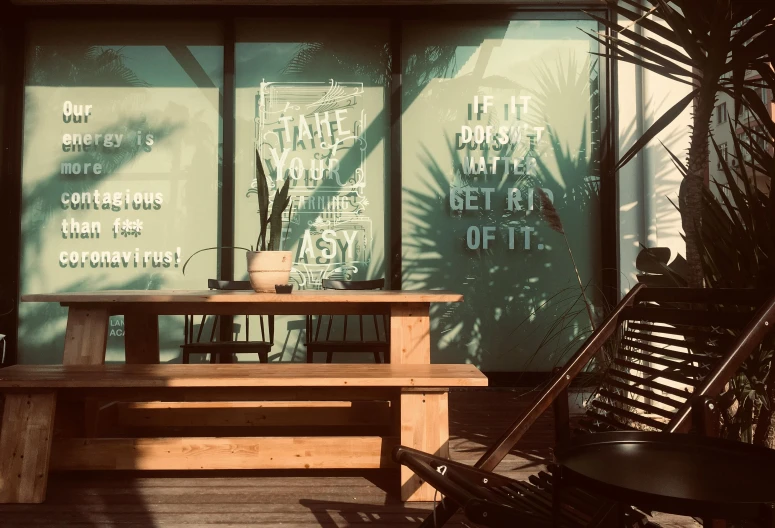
x=321, y=340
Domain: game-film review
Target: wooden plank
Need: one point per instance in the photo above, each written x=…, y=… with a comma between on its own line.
x=410, y=334
x=324, y=452
x=342, y=3
x=235, y=375
x=141, y=338
x=249, y=414
x=229, y=394
x=219, y=296
x=424, y=426
x=86, y=336
x=245, y=308
x=25, y=446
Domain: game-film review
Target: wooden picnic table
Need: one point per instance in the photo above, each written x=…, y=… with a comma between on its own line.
x=89, y=314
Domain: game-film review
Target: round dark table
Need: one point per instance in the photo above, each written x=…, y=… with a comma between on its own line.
x=684, y=474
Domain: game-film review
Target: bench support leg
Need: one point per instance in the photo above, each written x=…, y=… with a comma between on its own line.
x=86, y=336
x=25, y=446
x=410, y=333
x=424, y=426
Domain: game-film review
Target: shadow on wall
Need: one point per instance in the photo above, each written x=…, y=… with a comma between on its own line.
x=649, y=195
x=522, y=310
x=42, y=326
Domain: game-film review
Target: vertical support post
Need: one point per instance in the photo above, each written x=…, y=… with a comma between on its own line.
x=25, y=446
x=410, y=333
x=561, y=413
x=557, y=483
x=228, y=180
x=768, y=516
x=86, y=336
x=141, y=338
x=396, y=187
x=425, y=427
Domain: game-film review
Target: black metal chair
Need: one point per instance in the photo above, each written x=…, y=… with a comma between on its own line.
x=329, y=344
x=220, y=349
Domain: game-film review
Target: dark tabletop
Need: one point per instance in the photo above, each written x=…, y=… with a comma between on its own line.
x=671, y=472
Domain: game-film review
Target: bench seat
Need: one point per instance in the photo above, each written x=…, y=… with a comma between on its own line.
x=236, y=375
x=416, y=397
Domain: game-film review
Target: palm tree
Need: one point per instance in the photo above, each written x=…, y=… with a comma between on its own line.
x=707, y=45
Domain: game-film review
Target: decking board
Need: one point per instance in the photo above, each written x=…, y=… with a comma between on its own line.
x=292, y=499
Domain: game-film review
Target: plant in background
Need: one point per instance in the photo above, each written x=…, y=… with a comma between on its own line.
x=270, y=216
x=708, y=45
x=737, y=250
x=554, y=221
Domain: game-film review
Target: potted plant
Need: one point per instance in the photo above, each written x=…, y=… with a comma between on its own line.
x=267, y=265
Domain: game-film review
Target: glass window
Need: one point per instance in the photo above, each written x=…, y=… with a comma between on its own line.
x=312, y=99
x=721, y=113
x=493, y=112
x=121, y=167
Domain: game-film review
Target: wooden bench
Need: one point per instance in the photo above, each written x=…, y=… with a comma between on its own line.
x=417, y=417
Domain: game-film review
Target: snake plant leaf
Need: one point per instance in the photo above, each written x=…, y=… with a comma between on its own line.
x=276, y=219
x=263, y=203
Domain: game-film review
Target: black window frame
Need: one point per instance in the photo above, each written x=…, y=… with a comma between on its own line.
x=14, y=43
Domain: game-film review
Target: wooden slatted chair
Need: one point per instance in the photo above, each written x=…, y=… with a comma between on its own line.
x=676, y=349
x=219, y=349
x=340, y=343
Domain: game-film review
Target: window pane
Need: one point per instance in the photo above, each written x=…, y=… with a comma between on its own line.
x=472, y=220
x=312, y=98
x=121, y=167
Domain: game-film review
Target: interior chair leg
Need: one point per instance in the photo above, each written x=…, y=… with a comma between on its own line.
x=213, y=358
x=329, y=357
x=185, y=359
x=310, y=356
x=263, y=356
x=377, y=359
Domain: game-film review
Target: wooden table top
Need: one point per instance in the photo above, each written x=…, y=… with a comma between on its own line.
x=235, y=375
x=216, y=296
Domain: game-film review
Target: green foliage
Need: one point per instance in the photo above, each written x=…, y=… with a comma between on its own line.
x=706, y=44
x=737, y=243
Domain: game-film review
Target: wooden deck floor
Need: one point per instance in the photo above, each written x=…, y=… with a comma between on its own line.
x=287, y=499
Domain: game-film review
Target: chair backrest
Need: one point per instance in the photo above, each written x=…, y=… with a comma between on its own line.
x=226, y=285
x=330, y=284
x=215, y=284
x=669, y=341
x=374, y=284
x=671, y=346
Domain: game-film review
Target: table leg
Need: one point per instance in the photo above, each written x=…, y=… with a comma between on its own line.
x=86, y=336
x=410, y=333
x=424, y=426
x=141, y=338
x=25, y=446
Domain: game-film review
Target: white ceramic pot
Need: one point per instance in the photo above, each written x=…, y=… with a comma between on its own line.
x=267, y=268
